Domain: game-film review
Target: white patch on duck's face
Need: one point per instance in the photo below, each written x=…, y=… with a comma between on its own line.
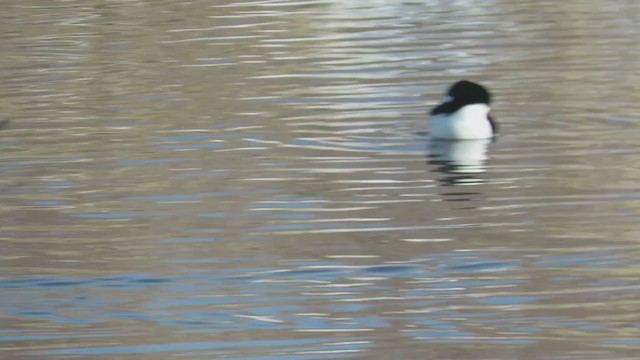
x=469, y=122
x=447, y=99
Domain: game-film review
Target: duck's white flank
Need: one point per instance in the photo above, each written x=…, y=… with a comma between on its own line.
x=469, y=122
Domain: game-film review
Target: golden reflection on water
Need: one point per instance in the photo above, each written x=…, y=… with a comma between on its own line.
x=252, y=179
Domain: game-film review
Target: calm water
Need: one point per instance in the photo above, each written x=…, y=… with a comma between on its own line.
x=253, y=180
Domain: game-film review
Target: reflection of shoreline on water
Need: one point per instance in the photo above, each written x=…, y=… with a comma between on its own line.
x=460, y=160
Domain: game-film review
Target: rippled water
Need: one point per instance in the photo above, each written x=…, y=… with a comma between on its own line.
x=253, y=180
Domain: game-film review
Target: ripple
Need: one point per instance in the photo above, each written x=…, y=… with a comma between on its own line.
x=181, y=178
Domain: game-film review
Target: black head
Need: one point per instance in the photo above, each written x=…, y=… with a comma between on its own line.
x=463, y=93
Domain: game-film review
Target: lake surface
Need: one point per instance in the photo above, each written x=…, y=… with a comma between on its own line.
x=253, y=180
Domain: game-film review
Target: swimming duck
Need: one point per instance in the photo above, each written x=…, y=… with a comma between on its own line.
x=464, y=114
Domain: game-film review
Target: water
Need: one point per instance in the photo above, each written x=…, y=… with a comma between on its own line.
x=253, y=180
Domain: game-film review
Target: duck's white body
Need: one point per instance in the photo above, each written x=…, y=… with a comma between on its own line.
x=467, y=123
x=465, y=156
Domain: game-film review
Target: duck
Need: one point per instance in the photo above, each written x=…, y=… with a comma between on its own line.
x=464, y=114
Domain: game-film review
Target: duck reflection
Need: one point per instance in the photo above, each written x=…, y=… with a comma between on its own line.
x=460, y=160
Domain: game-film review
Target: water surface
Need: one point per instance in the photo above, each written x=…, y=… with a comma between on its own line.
x=253, y=180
